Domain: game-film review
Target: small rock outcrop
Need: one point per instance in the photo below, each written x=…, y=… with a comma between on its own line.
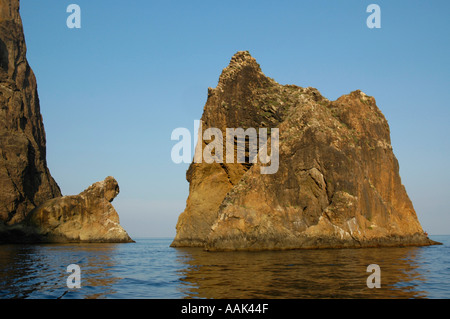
x=86, y=217
x=337, y=185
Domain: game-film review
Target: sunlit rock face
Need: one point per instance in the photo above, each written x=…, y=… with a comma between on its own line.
x=86, y=217
x=337, y=184
x=32, y=208
x=25, y=181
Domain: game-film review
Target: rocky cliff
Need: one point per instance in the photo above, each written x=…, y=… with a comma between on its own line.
x=25, y=180
x=337, y=183
x=31, y=206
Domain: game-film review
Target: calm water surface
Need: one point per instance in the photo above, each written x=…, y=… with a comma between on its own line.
x=150, y=268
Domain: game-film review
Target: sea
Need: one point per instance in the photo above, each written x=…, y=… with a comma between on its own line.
x=151, y=269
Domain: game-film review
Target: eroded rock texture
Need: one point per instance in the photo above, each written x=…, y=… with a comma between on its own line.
x=86, y=217
x=25, y=180
x=337, y=185
x=31, y=206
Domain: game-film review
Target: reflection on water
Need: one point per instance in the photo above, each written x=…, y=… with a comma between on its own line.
x=150, y=268
x=329, y=273
x=31, y=269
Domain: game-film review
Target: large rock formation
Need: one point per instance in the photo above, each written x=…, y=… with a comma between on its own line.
x=86, y=217
x=25, y=180
x=337, y=185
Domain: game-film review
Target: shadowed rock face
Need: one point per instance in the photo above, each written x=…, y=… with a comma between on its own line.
x=25, y=180
x=337, y=185
x=86, y=217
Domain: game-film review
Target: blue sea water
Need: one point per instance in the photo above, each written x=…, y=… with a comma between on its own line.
x=151, y=269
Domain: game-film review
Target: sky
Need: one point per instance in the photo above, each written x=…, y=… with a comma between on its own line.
x=112, y=91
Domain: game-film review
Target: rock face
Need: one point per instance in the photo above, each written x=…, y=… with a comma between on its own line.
x=25, y=180
x=31, y=206
x=337, y=185
x=86, y=217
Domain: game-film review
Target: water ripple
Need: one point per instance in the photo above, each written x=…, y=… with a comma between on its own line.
x=150, y=268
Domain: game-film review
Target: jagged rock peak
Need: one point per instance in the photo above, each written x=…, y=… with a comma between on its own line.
x=242, y=57
x=337, y=184
x=240, y=61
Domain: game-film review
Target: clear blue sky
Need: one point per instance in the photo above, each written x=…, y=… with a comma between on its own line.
x=112, y=92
